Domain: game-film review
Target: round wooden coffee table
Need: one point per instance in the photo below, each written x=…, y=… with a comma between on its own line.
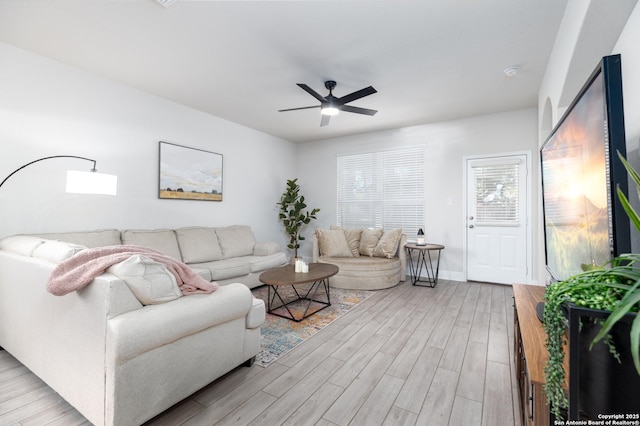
x=286, y=276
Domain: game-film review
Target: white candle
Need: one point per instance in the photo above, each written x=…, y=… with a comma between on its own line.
x=298, y=267
x=305, y=267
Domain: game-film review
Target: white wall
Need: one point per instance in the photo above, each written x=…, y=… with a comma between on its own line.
x=627, y=47
x=590, y=30
x=47, y=108
x=446, y=145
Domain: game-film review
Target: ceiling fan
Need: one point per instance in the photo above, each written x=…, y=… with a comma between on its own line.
x=332, y=105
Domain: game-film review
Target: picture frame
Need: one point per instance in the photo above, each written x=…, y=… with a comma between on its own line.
x=187, y=173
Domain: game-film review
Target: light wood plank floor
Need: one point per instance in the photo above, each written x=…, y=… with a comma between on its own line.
x=406, y=356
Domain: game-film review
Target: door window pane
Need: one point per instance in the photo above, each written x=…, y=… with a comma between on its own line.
x=496, y=189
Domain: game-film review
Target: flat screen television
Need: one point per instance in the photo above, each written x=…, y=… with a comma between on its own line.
x=584, y=222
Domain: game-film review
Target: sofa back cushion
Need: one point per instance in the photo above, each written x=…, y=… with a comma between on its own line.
x=236, y=240
x=198, y=244
x=41, y=248
x=91, y=239
x=163, y=240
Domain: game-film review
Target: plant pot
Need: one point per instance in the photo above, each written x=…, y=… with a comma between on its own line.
x=604, y=385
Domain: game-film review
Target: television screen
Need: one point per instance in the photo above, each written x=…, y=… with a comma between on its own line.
x=584, y=223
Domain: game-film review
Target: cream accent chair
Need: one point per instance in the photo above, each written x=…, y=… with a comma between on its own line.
x=368, y=259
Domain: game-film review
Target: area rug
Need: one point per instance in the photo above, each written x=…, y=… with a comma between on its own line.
x=281, y=335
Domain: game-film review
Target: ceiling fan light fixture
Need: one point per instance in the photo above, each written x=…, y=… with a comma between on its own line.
x=329, y=110
x=512, y=71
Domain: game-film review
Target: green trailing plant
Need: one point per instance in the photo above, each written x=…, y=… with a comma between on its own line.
x=293, y=214
x=614, y=287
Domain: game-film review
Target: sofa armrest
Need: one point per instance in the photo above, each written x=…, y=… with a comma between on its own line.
x=257, y=314
x=61, y=339
x=266, y=249
x=134, y=333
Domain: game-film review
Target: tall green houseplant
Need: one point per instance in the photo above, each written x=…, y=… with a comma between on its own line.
x=293, y=214
x=615, y=288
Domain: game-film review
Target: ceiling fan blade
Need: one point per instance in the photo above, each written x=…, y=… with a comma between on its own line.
x=357, y=95
x=358, y=110
x=325, y=120
x=295, y=109
x=312, y=92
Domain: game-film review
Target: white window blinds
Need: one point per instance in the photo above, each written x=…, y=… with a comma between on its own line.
x=496, y=189
x=382, y=190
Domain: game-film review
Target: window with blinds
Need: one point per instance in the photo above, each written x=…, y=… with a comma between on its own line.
x=496, y=189
x=382, y=190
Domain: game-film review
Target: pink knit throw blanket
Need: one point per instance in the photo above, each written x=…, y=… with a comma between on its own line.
x=79, y=270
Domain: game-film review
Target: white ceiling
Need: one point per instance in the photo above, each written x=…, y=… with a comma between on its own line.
x=430, y=60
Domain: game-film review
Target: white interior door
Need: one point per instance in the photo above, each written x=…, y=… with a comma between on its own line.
x=496, y=221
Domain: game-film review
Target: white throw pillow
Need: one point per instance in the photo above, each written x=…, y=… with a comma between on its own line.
x=21, y=244
x=148, y=280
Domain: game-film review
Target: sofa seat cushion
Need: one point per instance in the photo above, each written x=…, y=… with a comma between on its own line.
x=363, y=265
x=365, y=273
x=203, y=272
x=262, y=263
x=227, y=268
x=134, y=333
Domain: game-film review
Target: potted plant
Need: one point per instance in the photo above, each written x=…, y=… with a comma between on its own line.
x=614, y=289
x=293, y=214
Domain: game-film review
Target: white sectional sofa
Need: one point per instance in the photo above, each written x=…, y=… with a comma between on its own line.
x=117, y=361
x=225, y=254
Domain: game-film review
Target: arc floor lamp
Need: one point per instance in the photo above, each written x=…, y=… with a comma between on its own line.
x=90, y=182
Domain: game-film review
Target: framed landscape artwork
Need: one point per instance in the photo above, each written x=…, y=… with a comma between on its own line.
x=189, y=173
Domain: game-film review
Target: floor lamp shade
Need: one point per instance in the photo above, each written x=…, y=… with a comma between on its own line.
x=91, y=183
x=80, y=182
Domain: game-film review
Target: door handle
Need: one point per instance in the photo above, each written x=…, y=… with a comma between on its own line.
x=470, y=226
